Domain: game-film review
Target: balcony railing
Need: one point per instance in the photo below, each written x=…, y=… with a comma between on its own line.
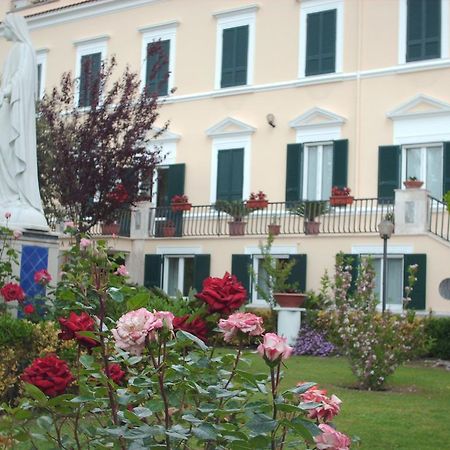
x=20, y=4
x=362, y=216
x=438, y=220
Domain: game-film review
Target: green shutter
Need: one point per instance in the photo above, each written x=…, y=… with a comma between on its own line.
x=418, y=295
x=340, y=162
x=175, y=186
x=353, y=260
x=321, y=42
x=239, y=267
x=298, y=273
x=157, y=70
x=90, y=66
x=202, y=265
x=446, y=168
x=389, y=167
x=423, y=35
x=230, y=174
x=294, y=172
x=234, y=56
x=152, y=271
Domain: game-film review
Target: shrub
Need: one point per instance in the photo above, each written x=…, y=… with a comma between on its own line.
x=313, y=342
x=438, y=330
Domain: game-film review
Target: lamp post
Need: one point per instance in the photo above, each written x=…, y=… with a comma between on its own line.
x=385, y=228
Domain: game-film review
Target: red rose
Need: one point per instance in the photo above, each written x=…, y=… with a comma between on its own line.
x=28, y=309
x=223, y=295
x=71, y=327
x=115, y=372
x=42, y=277
x=12, y=291
x=197, y=326
x=50, y=374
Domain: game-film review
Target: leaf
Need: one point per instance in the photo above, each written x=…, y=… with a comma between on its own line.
x=44, y=422
x=205, y=432
x=300, y=389
x=261, y=423
x=142, y=412
x=305, y=428
x=36, y=393
x=286, y=407
x=184, y=335
x=132, y=417
x=87, y=361
x=138, y=301
x=116, y=294
x=89, y=334
x=192, y=419
x=134, y=360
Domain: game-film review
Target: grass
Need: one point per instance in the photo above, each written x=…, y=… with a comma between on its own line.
x=411, y=414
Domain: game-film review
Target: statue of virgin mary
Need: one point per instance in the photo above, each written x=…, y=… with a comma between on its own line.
x=19, y=186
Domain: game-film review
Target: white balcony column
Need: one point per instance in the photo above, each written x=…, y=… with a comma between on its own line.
x=411, y=211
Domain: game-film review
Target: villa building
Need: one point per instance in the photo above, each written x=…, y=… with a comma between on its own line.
x=288, y=97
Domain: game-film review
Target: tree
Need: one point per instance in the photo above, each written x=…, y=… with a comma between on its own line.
x=93, y=161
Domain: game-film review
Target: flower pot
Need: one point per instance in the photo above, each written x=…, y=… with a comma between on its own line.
x=256, y=204
x=274, y=229
x=236, y=228
x=110, y=228
x=177, y=207
x=341, y=200
x=290, y=300
x=168, y=231
x=413, y=184
x=311, y=227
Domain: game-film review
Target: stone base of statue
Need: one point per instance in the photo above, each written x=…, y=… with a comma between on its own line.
x=23, y=218
x=289, y=322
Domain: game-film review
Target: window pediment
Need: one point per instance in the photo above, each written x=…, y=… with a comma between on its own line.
x=230, y=127
x=420, y=106
x=317, y=117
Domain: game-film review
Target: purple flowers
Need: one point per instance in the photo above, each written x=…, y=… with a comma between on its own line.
x=312, y=342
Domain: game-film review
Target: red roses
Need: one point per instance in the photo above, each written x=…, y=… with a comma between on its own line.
x=197, y=326
x=42, y=277
x=223, y=295
x=71, y=327
x=50, y=374
x=11, y=292
x=115, y=372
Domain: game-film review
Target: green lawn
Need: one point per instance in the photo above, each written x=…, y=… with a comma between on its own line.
x=412, y=414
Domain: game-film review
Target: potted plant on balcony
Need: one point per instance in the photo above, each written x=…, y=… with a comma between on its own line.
x=276, y=288
x=257, y=201
x=310, y=210
x=111, y=228
x=118, y=196
x=412, y=183
x=274, y=226
x=340, y=196
x=180, y=203
x=237, y=210
x=168, y=229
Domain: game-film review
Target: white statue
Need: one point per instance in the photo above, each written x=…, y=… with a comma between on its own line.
x=19, y=186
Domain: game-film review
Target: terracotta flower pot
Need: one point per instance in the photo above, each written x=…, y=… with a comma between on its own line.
x=311, y=227
x=274, y=229
x=413, y=184
x=110, y=228
x=177, y=207
x=236, y=228
x=341, y=200
x=256, y=204
x=290, y=300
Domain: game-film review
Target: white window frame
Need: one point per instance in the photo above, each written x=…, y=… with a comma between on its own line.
x=306, y=150
x=88, y=47
x=41, y=59
x=164, y=32
x=232, y=19
x=228, y=143
x=314, y=6
x=423, y=159
x=403, y=29
x=181, y=260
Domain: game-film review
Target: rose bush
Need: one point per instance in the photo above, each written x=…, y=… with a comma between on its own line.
x=12, y=291
x=42, y=277
x=194, y=325
x=74, y=326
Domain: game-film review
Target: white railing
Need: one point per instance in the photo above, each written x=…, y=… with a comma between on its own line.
x=20, y=4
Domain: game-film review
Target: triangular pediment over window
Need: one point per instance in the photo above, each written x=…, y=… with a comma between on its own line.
x=316, y=117
x=229, y=127
x=420, y=106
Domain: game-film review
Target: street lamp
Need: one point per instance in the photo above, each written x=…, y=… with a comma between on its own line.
x=385, y=228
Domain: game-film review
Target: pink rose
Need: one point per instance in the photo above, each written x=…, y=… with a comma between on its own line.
x=331, y=439
x=166, y=317
x=122, y=270
x=17, y=234
x=330, y=406
x=85, y=243
x=7, y=215
x=42, y=277
x=69, y=224
x=133, y=328
x=274, y=348
x=246, y=323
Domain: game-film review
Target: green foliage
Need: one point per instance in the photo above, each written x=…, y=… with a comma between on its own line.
x=438, y=330
x=310, y=209
x=446, y=199
x=15, y=333
x=234, y=208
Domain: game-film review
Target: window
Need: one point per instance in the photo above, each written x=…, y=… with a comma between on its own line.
x=158, y=57
x=423, y=38
x=317, y=171
x=261, y=279
x=394, y=282
x=41, y=59
x=235, y=47
x=90, y=55
x=425, y=163
x=230, y=174
x=321, y=43
x=178, y=274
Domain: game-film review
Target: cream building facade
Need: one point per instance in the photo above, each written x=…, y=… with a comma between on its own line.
x=289, y=97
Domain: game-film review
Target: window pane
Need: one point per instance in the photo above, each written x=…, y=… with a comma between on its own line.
x=413, y=163
x=434, y=171
x=172, y=282
x=262, y=283
x=188, y=280
x=394, y=282
x=311, y=174
x=327, y=172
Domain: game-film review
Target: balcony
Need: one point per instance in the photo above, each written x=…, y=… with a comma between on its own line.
x=22, y=4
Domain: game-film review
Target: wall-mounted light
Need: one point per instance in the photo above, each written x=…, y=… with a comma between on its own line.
x=271, y=120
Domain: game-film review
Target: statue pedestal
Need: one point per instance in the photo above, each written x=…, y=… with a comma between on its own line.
x=289, y=322
x=23, y=218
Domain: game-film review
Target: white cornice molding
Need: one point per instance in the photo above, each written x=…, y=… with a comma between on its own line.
x=326, y=118
x=248, y=9
x=406, y=110
x=159, y=26
x=238, y=128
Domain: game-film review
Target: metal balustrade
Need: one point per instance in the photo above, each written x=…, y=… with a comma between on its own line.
x=438, y=219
